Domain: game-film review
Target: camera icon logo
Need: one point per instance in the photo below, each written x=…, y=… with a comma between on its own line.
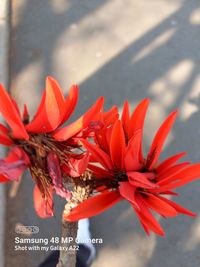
x=26, y=230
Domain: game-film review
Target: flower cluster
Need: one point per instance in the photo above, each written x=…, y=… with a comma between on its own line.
x=101, y=152
x=43, y=146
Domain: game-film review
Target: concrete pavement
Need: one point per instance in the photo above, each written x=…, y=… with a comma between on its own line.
x=123, y=50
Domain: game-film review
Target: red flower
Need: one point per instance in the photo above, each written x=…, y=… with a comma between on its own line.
x=125, y=174
x=41, y=145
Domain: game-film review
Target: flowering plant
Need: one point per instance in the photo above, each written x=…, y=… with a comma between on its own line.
x=93, y=162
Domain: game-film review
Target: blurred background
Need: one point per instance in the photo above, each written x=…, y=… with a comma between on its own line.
x=122, y=49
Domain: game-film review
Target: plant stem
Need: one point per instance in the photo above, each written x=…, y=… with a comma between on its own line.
x=68, y=258
x=69, y=229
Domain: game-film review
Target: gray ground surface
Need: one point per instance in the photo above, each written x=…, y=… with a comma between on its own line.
x=124, y=50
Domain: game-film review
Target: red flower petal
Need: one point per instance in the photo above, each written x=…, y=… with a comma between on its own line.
x=139, y=180
x=159, y=140
x=181, y=178
x=70, y=102
x=77, y=126
x=164, y=177
x=41, y=105
x=147, y=218
x=99, y=172
x=110, y=116
x=169, y=162
x=53, y=86
x=178, y=207
x=100, y=138
x=4, y=139
x=159, y=205
x=12, y=170
x=4, y=179
x=13, y=165
x=150, y=223
x=98, y=155
x=132, y=153
x=17, y=153
x=43, y=207
x=55, y=173
x=11, y=115
x=4, y=129
x=117, y=145
x=90, y=130
x=128, y=192
x=93, y=206
x=125, y=117
x=137, y=120
x=15, y=105
x=77, y=166
x=51, y=109
x=138, y=117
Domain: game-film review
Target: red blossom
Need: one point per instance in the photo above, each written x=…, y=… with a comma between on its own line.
x=143, y=182
x=42, y=145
